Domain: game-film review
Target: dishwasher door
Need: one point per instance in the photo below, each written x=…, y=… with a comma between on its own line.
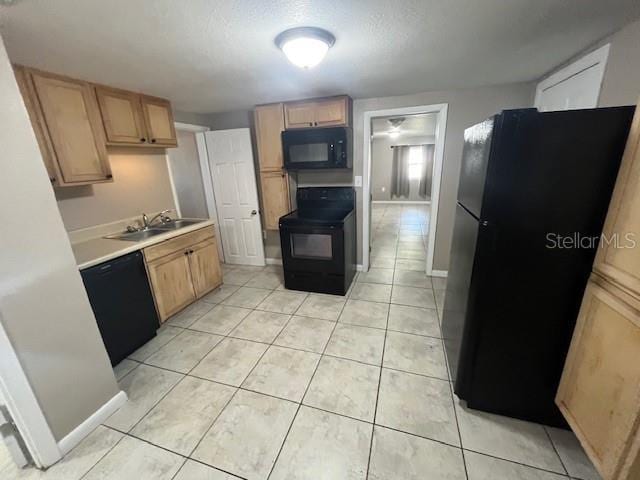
x=122, y=303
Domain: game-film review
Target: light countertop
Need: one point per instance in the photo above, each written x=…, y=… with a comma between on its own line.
x=97, y=250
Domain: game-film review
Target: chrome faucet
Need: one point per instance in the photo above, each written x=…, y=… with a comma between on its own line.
x=146, y=223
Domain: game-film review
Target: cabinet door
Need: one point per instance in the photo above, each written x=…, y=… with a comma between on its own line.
x=122, y=116
x=275, y=197
x=170, y=278
x=332, y=112
x=73, y=121
x=299, y=114
x=205, y=267
x=37, y=122
x=269, y=122
x=618, y=257
x=599, y=392
x=159, y=121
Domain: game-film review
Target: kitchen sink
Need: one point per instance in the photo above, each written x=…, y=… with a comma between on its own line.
x=157, y=229
x=137, y=236
x=175, y=224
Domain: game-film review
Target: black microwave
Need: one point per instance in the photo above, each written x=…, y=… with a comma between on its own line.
x=317, y=148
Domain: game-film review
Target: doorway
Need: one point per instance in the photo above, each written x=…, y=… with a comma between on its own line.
x=403, y=155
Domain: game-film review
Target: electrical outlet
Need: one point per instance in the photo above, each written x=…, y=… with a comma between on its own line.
x=358, y=181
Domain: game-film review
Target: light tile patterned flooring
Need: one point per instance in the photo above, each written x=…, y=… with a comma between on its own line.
x=258, y=382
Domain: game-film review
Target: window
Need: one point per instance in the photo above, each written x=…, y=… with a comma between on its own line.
x=416, y=162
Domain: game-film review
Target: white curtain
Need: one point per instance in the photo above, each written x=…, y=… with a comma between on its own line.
x=400, y=180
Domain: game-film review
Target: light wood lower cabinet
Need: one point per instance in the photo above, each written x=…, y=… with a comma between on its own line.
x=275, y=192
x=171, y=283
x=182, y=270
x=600, y=389
x=206, y=272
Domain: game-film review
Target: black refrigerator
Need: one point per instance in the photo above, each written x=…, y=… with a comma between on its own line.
x=533, y=195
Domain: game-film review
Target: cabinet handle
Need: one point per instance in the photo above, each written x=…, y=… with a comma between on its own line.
x=153, y=140
x=109, y=176
x=52, y=179
x=186, y=252
x=311, y=124
x=190, y=252
x=143, y=140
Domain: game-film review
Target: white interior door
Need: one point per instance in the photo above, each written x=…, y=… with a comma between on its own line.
x=236, y=195
x=575, y=86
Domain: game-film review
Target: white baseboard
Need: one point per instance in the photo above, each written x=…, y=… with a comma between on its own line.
x=89, y=425
x=273, y=261
x=439, y=273
x=359, y=267
x=402, y=202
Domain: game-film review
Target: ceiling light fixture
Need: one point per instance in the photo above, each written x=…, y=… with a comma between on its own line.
x=305, y=47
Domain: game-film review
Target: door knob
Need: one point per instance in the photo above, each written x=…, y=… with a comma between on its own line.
x=254, y=212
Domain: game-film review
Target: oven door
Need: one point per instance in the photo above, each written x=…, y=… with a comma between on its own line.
x=318, y=249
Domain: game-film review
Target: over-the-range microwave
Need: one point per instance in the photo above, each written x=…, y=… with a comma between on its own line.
x=317, y=148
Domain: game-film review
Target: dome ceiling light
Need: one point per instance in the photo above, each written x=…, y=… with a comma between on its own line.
x=394, y=131
x=305, y=47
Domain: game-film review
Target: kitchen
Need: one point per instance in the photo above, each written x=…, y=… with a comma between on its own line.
x=277, y=337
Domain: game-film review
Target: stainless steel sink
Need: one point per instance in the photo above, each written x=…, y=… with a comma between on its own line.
x=137, y=236
x=158, y=229
x=175, y=224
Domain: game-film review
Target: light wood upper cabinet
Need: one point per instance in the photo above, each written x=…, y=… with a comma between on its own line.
x=615, y=258
x=206, y=272
x=325, y=112
x=275, y=191
x=600, y=389
x=300, y=115
x=269, y=124
x=159, y=121
x=170, y=278
x=74, y=127
x=122, y=116
x=28, y=93
x=74, y=122
x=332, y=112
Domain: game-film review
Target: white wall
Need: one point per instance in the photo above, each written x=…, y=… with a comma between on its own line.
x=140, y=185
x=466, y=108
x=43, y=305
x=187, y=176
x=621, y=81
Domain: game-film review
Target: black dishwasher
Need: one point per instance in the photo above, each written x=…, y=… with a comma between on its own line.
x=121, y=300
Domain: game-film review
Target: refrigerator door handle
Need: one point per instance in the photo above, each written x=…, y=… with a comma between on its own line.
x=490, y=234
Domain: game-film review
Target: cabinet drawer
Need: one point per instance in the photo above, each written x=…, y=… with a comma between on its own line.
x=178, y=243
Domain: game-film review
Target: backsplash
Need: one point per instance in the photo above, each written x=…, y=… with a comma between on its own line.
x=141, y=184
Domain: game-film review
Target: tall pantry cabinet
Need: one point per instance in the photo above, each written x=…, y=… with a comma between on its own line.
x=274, y=180
x=599, y=393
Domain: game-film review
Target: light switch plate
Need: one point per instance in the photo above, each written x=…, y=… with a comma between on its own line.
x=357, y=181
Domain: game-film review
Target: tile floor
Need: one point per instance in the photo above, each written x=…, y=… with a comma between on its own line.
x=258, y=382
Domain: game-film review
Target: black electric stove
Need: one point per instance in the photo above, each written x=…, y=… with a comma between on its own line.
x=319, y=240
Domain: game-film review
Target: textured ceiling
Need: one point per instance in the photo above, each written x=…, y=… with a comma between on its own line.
x=218, y=55
x=412, y=126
